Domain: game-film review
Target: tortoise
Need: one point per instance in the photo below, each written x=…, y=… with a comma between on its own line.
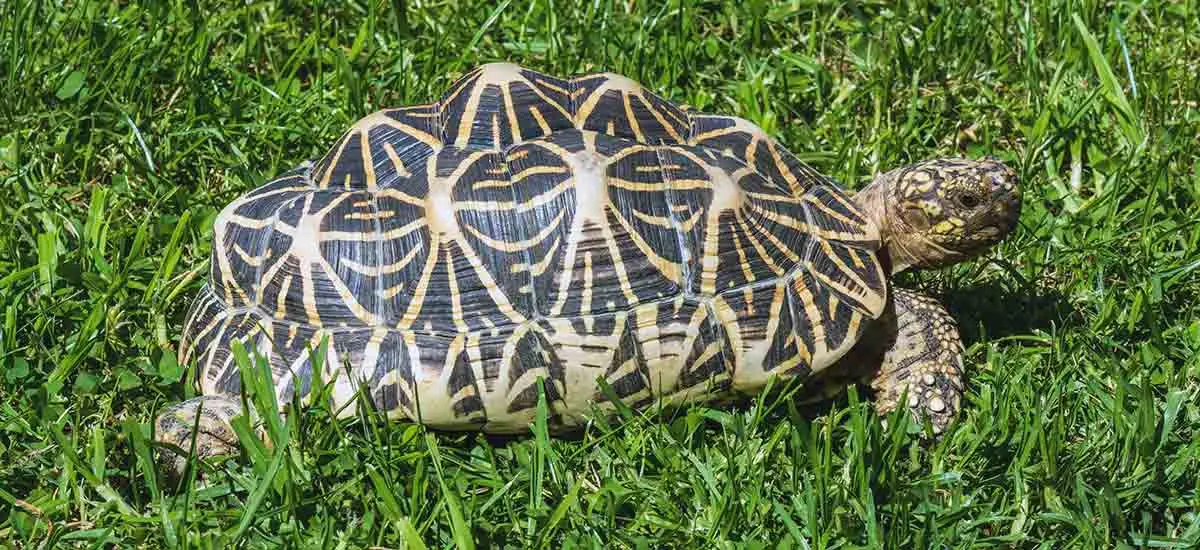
x=583, y=241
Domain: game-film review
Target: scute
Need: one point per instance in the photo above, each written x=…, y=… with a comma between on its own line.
x=601, y=263
x=528, y=227
x=614, y=105
x=500, y=104
x=728, y=217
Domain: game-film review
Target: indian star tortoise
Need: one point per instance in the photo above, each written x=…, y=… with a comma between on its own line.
x=589, y=234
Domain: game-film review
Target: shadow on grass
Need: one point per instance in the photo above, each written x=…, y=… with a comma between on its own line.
x=984, y=312
x=992, y=310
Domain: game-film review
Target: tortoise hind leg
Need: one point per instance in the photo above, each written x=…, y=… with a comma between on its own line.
x=209, y=418
x=922, y=358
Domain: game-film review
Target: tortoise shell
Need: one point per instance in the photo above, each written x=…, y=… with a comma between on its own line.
x=584, y=232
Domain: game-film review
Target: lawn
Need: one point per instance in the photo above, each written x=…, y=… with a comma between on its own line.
x=124, y=129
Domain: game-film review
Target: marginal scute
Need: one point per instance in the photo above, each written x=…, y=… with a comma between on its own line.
x=534, y=371
x=392, y=383
x=762, y=335
x=628, y=375
x=466, y=399
x=853, y=275
x=708, y=368
x=583, y=232
x=822, y=319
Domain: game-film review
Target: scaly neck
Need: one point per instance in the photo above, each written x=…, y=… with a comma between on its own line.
x=903, y=247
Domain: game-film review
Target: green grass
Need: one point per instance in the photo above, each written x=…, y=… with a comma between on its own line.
x=124, y=129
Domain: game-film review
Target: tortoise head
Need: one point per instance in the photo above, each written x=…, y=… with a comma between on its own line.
x=942, y=211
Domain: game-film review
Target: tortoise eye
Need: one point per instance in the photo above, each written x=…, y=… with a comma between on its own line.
x=968, y=200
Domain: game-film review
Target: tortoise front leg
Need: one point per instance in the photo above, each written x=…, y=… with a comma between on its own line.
x=209, y=417
x=921, y=357
x=913, y=347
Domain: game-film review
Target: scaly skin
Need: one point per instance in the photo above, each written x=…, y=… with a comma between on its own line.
x=913, y=350
x=931, y=214
x=176, y=424
x=923, y=361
